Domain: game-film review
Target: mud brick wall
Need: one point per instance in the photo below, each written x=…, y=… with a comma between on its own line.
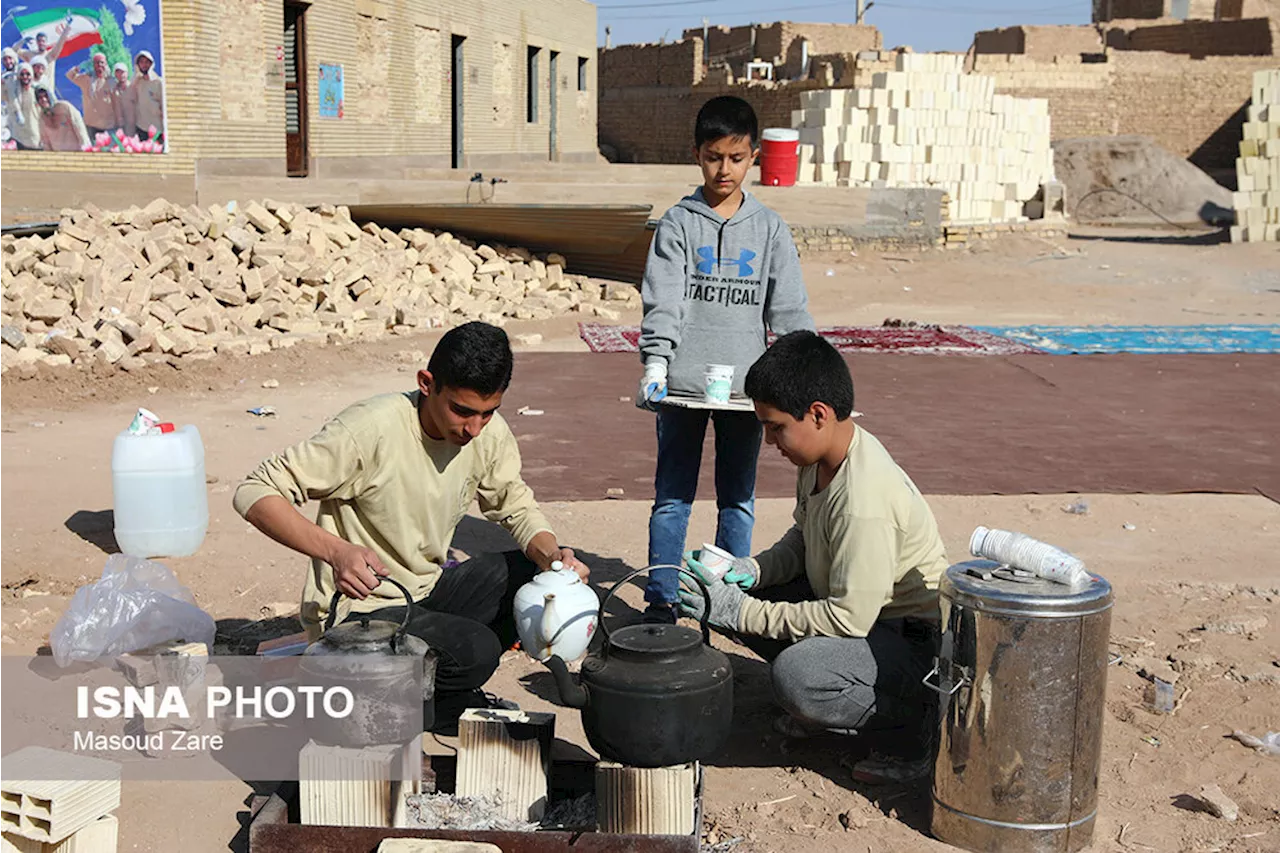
x=1041, y=42
x=1228, y=9
x=724, y=42
x=675, y=64
x=827, y=38
x=1193, y=107
x=779, y=42
x=398, y=63
x=1250, y=37
x=655, y=125
x=1112, y=10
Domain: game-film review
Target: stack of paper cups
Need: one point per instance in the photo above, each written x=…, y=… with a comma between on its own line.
x=1022, y=552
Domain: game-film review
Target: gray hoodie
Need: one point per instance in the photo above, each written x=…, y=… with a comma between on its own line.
x=714, y=287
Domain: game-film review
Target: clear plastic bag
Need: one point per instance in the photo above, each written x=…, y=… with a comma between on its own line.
x=136, y=603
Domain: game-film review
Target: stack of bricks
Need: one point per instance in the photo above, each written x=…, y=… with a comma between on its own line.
x=1257, y=196
x=929, y=124
x=133, y=287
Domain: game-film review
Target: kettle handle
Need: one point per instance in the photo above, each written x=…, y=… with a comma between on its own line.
x=706, y=596
x=404, y=624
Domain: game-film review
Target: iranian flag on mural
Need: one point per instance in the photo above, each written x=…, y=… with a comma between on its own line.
x=82, y=22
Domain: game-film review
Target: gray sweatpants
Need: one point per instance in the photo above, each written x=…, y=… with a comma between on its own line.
x=869, y=685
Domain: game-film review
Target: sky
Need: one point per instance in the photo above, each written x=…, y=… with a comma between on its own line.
x=925, y=25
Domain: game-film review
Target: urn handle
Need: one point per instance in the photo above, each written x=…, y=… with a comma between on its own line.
x=706, y=596
x=404, y=623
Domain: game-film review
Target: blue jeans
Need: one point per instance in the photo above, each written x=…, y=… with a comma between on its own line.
x=680, y=436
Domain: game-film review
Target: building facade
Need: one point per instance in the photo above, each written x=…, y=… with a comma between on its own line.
x=378, y=89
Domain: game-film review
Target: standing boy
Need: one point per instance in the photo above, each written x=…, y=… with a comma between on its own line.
x=845, y=605
x=722, y=273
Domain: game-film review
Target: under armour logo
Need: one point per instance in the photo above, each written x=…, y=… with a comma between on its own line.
x=709, y=261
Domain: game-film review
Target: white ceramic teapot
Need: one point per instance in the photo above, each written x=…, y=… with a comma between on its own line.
x=555, y=614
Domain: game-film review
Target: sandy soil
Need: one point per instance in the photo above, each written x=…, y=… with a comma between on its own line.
x=1190, y=560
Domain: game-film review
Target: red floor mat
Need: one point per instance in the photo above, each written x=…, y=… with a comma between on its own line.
x=920, y=340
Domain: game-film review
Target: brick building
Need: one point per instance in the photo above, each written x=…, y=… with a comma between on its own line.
x=428, y=84
x=1182, y=10
x=790, y=46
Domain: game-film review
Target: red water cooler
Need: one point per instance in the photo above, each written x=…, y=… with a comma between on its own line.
x=779, y=157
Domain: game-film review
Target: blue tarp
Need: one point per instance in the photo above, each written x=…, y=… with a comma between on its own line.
x=1145, y=339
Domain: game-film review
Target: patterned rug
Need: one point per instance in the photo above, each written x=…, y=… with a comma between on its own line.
x=928, y=340
x=1145, y=339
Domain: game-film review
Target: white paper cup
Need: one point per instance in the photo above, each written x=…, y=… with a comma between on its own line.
x=719, y=382
x=716, y=561
x=144, y=422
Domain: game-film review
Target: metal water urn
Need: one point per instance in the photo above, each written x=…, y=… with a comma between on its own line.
x=1022, y=670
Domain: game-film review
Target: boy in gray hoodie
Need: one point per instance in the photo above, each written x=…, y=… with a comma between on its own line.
x=723, y=272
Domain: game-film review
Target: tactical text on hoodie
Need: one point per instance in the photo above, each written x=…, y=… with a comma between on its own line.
x=714, y=288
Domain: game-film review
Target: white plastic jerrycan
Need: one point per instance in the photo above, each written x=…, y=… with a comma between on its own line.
x=555, y=614
x=161, y=501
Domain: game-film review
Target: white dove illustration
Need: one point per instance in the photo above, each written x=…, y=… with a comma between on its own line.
x=134, y=15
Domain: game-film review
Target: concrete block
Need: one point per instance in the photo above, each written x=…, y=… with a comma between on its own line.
x=101, y=836
x=508, y=753
x=430, y=845
x=49, y=810
x=356, y=787
x=645, y=801
x=10, y=843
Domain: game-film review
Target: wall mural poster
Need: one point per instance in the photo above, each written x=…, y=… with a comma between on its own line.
x=331, y=91
x=83, y=78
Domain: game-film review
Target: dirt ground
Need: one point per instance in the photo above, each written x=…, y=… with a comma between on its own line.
x=1189, y=561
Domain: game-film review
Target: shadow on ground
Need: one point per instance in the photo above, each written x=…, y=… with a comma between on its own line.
x=754, y=743
x=1189, y=237
x=95, y=527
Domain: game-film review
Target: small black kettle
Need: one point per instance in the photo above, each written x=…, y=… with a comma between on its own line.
x=655, y=695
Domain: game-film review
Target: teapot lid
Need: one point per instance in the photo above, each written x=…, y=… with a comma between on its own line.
x=361, y=635
x=655, y=639
x=557, y=575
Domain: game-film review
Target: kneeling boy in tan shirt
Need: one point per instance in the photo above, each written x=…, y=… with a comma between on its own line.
x=845, y=605
x=394, y=475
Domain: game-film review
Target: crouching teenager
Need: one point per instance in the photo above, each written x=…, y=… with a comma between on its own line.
x=845, y=605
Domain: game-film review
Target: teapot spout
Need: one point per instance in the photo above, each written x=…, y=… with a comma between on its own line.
x=572, y=693
x=550, y=625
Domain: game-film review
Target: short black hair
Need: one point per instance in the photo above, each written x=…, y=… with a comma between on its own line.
x=475, y=356
x=725, y=116
x=800, y=369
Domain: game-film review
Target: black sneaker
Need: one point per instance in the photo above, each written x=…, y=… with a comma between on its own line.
x=659, y=614
x=880, y=769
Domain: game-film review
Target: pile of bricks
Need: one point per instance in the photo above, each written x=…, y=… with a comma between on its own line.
x=165, y=282
x=1257, y=196
x=929, y=124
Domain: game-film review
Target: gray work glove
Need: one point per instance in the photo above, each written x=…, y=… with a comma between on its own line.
x=726, y=604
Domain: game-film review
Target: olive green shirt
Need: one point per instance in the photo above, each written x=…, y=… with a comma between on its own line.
x=867, y=543
x=384, y=484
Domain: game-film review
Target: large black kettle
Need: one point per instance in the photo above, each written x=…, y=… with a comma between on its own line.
x=655, y=695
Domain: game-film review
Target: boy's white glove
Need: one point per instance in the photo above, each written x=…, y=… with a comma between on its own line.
x=653, y=386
